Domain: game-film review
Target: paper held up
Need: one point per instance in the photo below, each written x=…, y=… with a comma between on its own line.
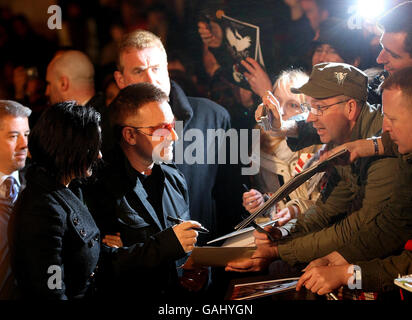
x=218, y=256
x=241, y=238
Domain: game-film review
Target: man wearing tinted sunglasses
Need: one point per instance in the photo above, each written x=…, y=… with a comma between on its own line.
x=139, y=193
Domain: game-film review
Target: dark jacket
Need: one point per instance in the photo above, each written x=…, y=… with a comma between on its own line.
x=387, y=233
x=53, y=229
x=119, y=202
x=215, y=200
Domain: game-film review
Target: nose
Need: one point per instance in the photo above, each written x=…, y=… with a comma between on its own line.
x=386, y=125
x=100, y=155
x=173, y=135
x=22, y=142
x=311, y=117
x=150, y=76
x=381, y=59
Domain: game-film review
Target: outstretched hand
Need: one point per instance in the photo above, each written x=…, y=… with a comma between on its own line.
x=257, y=77
x=271, y=106
x=258, y=262
x=357, y=149
x=325, y=279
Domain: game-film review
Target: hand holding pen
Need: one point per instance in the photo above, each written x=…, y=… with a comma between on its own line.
x=252, y=199
x=256, y=226
x=197, y=228
x=186, y=232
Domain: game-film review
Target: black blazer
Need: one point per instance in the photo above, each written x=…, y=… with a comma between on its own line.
x=119, y=203
x=54, y=234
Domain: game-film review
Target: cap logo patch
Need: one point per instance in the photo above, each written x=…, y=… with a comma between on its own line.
x=341, y=76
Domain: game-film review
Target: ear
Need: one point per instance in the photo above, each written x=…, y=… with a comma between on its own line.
x=129, y=136
x=352, y=109
x=118, y=76
x=64, y=83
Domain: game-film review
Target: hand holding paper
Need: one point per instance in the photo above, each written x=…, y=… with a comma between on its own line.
x=259, y=261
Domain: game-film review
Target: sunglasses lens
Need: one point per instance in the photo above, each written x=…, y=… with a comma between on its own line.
x=164, y=130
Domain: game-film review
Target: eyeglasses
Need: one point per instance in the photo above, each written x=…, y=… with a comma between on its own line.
x=293, y=107
x=318, y=110
x=156, y=131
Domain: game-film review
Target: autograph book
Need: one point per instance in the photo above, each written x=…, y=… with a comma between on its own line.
x=290, y=186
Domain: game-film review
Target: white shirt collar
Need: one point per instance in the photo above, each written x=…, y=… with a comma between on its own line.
x=15, y=175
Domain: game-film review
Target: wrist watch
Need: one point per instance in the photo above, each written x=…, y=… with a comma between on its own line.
x=357, y=276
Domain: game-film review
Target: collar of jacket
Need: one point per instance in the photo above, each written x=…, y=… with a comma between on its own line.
x=180, y=104
x=133, y=175
x=41, y=177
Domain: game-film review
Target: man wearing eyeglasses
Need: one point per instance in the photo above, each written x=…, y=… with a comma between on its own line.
x=353, y=194
x=139, y=193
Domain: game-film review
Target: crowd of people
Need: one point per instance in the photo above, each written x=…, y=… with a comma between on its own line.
x=109, y=176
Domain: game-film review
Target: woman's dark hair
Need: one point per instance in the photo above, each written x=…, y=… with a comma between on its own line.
x=66, y=140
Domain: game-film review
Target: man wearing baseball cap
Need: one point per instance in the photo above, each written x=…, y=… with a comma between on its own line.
x=337, y=94
x=353, y=194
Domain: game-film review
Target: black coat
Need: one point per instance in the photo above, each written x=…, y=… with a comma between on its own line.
x=119, y=203
x=215, y=193
x=53, y=229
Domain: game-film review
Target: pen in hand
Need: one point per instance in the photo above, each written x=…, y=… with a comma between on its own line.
x=177, y=221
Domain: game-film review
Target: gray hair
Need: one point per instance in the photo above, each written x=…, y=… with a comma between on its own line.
x=13, y=108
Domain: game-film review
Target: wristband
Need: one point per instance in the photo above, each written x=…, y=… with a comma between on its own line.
x=376, y=146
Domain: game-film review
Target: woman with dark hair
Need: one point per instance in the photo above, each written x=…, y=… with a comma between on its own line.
x=56, y=241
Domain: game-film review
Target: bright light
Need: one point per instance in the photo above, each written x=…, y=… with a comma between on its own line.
x=370, y=9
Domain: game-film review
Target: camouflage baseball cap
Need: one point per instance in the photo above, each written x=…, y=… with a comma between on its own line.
x=332, y=79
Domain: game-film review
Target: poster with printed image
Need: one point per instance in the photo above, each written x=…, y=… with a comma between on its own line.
x=242, y=40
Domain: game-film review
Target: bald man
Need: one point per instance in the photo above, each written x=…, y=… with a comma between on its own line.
x=70, y=76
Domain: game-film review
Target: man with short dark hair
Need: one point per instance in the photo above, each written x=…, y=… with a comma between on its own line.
x=396, y=39
x=138, y=191
x=14, y=131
